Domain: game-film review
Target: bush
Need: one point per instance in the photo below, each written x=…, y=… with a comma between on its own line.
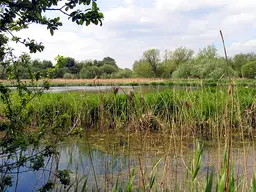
x=89, y=72
x=124, y=73
x=249, y=70
x=184, y=70
x=68, y=76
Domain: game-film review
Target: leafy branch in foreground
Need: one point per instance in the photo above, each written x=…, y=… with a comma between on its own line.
x=20, y=140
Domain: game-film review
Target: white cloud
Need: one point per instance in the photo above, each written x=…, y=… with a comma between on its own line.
x=245, y=46
x=130, y=27
x=186, y=5
x=129, y=2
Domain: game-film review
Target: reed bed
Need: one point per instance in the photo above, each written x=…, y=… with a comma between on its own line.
x=185, y=113
x=216, y=115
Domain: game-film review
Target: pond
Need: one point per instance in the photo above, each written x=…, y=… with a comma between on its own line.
x=104, y=158
x=122, y=89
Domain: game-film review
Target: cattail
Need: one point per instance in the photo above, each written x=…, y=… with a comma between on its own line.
x=115, y=90
x=187, y=105
x=230, y=88
x=131, y=95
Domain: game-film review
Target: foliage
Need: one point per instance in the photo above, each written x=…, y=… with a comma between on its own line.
x=68, y=76
x=108, y=69
x=105, y=68
x=152, y=58
x=240, y=60
x=149, y=65
x=182, y=55
x=142, y=69
x=185, y=70
x=124, y=73
x=181, y=63
x=209, y=52
x=249, y=70
x=17, y=15
x=89, y=72
x=109, y=61
x=20, y=134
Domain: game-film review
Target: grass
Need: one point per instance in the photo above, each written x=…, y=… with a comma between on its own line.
x=184, y=113
x=179, y=115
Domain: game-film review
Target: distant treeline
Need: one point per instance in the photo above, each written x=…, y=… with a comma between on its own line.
x=184, y=63
x=180, y=63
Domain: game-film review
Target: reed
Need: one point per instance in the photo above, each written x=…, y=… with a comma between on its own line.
x=185, y=113
x=180, y=116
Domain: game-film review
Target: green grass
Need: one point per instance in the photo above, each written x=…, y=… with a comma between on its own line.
x=205, y=112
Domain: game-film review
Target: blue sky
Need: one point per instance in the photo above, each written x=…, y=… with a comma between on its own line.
x=132, y=26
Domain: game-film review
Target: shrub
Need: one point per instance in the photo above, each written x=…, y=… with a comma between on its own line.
x=68, y=76
x=124, y=73
x=249, y=70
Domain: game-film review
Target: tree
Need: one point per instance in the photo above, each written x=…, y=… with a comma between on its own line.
x=168, y=64
x=142, y=69
x=209, y=52
x=185, y=70
x=249, y=70
x=241, y=59
x=172, y=60
x=124, y=73
x=15, y=16
x=89, y=72
x=152, y=57
x=67, y=63
x=108, y=69
x=109, y=61
x=182, y=55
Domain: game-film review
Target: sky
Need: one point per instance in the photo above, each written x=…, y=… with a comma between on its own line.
x=132, y=26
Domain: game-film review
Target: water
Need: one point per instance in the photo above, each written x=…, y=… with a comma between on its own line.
x=122, y=89
x=104, y=157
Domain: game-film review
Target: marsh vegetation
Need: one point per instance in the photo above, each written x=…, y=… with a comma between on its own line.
x=127, y=140
x=192, y=135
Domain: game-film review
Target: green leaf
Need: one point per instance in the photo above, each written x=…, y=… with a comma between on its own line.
x=51, y=31
x=81, y=22
x=253, y=183
x=94, y=5
x=88, y=2
x=84, y=188
x=209, y=183
x=221, y=183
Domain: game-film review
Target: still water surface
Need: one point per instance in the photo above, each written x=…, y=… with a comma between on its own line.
x=104, y=157
x=122, y=89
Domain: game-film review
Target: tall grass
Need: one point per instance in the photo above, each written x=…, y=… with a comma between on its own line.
x=185, y=113
x=181, y=116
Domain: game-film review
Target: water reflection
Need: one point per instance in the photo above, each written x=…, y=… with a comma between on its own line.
x=104, y=157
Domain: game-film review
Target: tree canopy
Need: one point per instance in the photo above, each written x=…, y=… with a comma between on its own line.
x=184, y=63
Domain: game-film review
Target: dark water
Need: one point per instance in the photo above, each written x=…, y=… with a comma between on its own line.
x=104, y=157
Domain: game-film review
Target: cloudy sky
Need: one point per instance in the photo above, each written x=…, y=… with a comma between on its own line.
x=133, y=26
